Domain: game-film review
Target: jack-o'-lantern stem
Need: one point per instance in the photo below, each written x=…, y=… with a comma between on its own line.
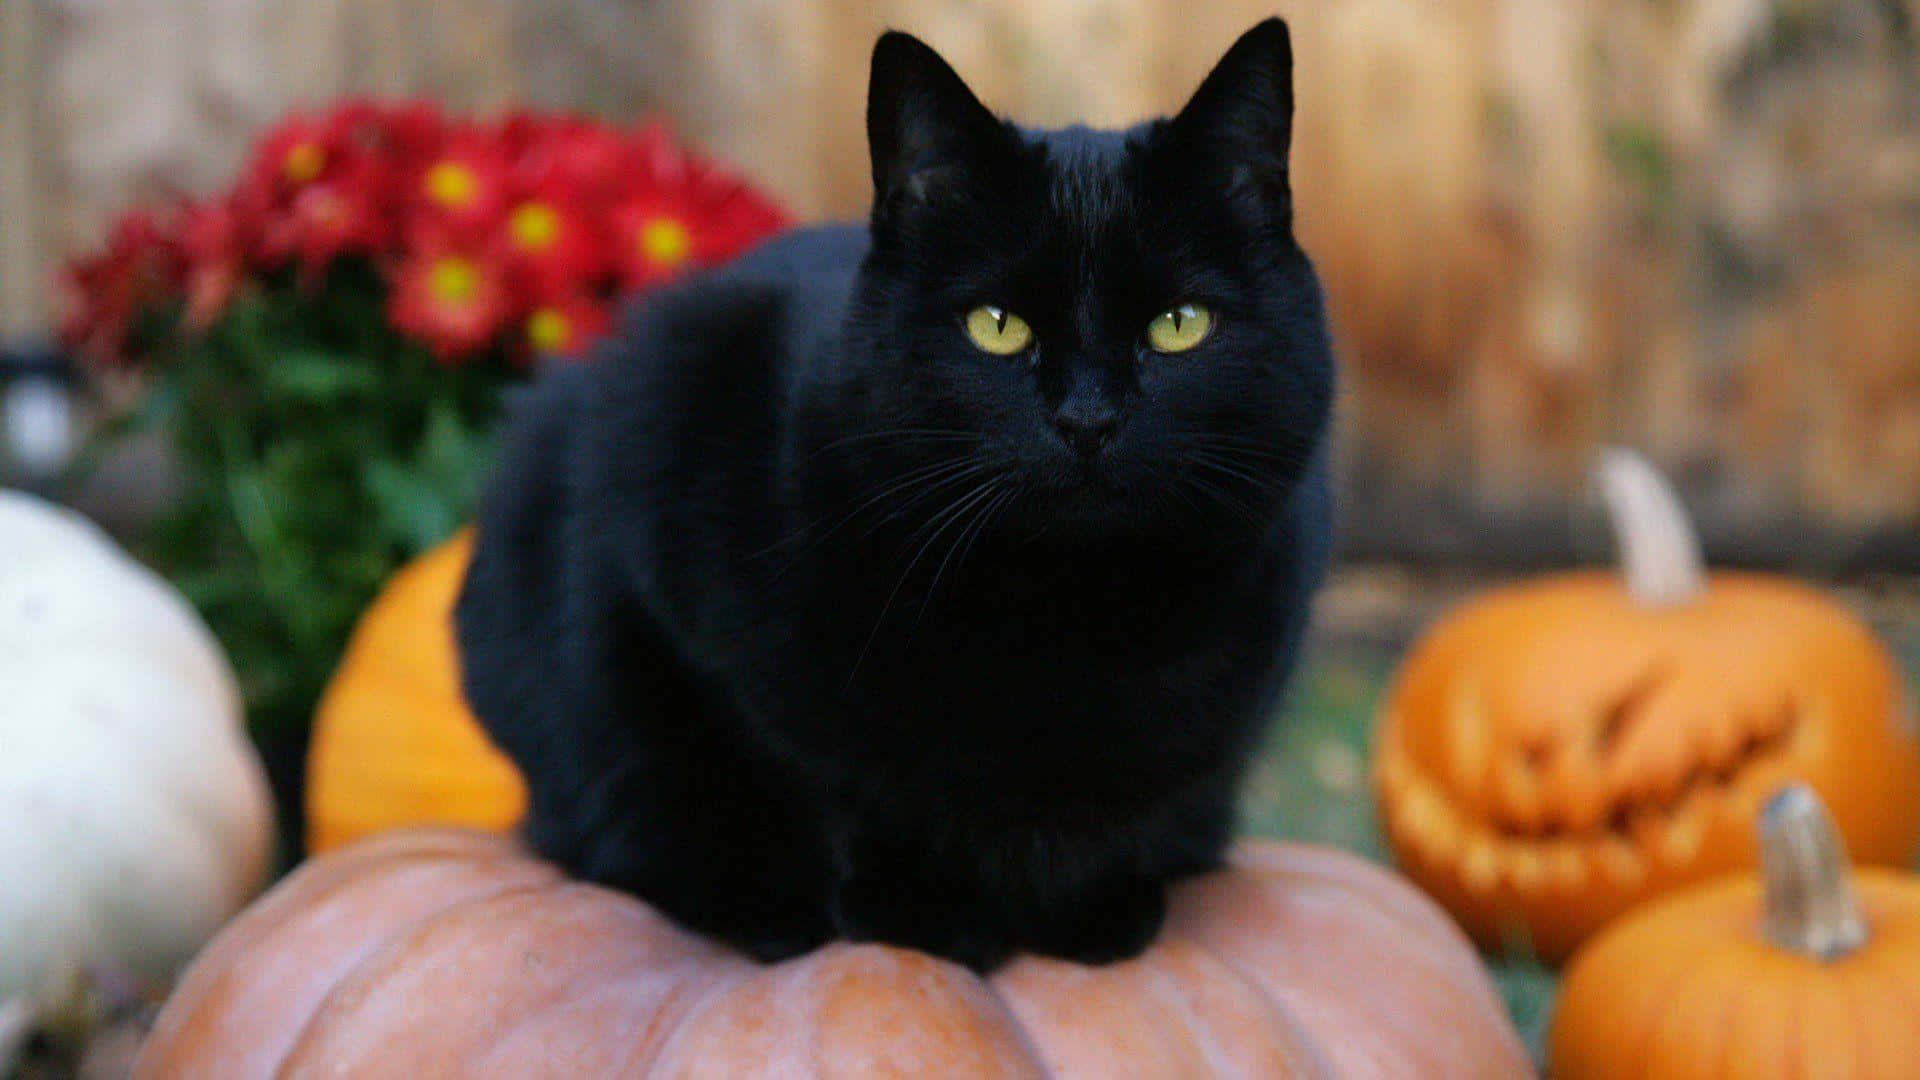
x=1810, y=907
x=1658, y=550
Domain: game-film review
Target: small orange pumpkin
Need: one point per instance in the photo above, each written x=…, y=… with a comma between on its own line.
x=436, y=953
x=393, y=741
x=1802, y=971
x=1554, y=753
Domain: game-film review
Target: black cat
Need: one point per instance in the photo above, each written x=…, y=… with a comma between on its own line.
x=928, y=582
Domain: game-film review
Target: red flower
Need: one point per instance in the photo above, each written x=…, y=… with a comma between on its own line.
x=553, y=246
x=661, y=234
x=463, y=185
x=682, y=213
x=453, y=298
x=325, y=220
x=214, y=244
x=294, y=153
x=733, y=217
x=565, y=325
x=139, y=270
x=399, y=134
x=590, y=161
x=414, y=130
x=654, y=238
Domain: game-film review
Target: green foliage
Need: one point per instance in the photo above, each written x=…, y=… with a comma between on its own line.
x=320, y=451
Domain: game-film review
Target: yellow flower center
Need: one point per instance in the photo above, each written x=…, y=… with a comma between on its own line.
x=451, y=184
x=534, y=226
x=453, y=280
x=303, y=162
x=548, y=330
x=665, y=241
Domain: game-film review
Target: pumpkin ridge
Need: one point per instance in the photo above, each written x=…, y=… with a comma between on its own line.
x=296, y=893
x=531, y=1009
x=1723, y=1036
x=1364, y=897
x=1166, y=989
x=1275, y=895
x=1655, y=1003
x=1276, y=1009
x=352, y=976
x=1355, y=875
x=716, y=988
x=261, y=927
x=675, y=1024
x=1006, y=1012
x=646, y=1050
x=1279, y=1006
x=1790, y=1042
x=845, y=974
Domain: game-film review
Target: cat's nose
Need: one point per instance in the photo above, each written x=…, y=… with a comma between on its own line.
x=1087, y=424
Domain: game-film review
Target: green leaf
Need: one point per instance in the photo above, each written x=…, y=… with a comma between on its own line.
x=318, y=376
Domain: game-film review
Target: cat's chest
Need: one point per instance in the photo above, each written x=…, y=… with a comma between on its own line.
x=1012, y=640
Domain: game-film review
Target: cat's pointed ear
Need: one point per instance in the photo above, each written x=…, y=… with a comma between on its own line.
x=924, y=127
x=1242, y=115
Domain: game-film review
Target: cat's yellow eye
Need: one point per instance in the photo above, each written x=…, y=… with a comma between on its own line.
x=1180, y=329
x=997, y=330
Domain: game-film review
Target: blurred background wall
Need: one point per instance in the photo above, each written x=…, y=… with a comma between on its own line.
x=1692, y=226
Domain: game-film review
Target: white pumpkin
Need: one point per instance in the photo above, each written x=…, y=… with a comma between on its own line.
x=134, y=817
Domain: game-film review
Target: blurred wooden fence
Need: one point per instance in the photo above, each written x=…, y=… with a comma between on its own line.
x=1688, y=225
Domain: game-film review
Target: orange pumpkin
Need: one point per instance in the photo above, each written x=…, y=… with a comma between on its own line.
x=438, y=953
x=1804, y=971
x=393, y=741
x=1554, y=753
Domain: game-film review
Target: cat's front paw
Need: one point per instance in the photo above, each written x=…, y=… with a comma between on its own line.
x=1116, y=924
x=871, y=909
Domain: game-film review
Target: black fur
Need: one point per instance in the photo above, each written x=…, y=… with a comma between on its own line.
x=803, y=617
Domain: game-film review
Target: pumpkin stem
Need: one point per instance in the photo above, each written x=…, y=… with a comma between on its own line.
x=1658, y=550
x=1810, y=906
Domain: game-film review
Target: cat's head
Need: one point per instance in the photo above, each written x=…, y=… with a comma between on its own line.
x=1117, y=326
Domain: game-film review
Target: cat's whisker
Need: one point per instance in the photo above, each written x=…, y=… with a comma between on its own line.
x=935, y=527
x=962, y=545
x=933, y=477
x=900, y=436
x=919, y=497
x=1226, y=499
x=1239, y=471
x=1262, y=447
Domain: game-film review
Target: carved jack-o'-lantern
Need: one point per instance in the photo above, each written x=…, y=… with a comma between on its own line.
x=1556, y=752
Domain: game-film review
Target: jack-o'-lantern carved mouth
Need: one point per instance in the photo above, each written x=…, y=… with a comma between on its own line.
x=1610, y=794
x=1757, y=735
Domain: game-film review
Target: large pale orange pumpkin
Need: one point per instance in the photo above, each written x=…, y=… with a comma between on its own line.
x=1554, y=753
x=440, y=953
x=393, y=741
x=1806, y=970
